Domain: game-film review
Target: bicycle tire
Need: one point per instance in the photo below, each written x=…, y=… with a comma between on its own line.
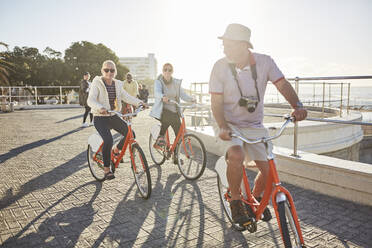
x=226, y=205
x=141, y=175
x=95, y=168
x=290, y=236
x=158, y=157
x=197, y=162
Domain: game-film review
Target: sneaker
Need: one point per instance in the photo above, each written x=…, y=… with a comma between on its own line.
x=266, y=213
x=239, y=213
x=85, y=125
x=91, y=124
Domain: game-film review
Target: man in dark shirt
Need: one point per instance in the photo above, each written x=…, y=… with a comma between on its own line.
x=83, y=96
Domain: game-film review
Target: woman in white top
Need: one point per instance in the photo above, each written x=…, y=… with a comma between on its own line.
x=106, y=93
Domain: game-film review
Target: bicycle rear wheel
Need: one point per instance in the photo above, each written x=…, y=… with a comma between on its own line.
x=95, y=166
x=222, y=190
x=191, y=157
x=141, y=171
x=157, y=155
x=290, y=235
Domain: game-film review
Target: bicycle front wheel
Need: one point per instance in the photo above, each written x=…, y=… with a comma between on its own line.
x=157, y=154
x=223, y=192
x=191, y=157
x=290, y=235
x=141, y=171
x=95, y=166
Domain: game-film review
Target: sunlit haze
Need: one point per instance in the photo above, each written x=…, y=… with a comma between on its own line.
x=305, y=38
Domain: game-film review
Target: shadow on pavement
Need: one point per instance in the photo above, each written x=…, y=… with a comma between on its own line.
x=128, y=222
x=64, y=228
x=45, y=180
x=15, y=151
x=71, y=118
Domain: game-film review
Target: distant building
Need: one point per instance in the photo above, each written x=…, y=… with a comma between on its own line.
x=141, y=67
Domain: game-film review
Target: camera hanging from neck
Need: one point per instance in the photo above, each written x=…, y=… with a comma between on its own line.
x=254, y=76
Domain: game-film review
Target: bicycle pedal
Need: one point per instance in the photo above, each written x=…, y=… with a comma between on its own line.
x=251, y=225
x=247, y=223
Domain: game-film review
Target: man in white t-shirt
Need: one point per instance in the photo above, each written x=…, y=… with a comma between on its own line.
x=232, y=84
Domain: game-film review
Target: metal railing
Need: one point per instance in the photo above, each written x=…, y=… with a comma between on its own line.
x=199, y=89
x=297, y=82
x=35, y=94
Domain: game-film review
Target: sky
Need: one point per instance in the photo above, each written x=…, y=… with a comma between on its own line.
x=305, y=38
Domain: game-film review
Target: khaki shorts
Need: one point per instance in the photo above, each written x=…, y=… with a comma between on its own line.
x=253, y=152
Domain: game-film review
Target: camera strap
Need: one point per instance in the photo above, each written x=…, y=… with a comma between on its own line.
x=254, y=76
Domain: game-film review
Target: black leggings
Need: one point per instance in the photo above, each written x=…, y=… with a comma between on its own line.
x=87, y=111
x=169, y=118
x=104, y=124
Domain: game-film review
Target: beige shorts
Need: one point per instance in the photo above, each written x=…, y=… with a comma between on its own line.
x=253, y=152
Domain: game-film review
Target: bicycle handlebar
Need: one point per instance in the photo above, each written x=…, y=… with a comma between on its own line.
x=192, y=106
x=266, y=139
x=139, y=109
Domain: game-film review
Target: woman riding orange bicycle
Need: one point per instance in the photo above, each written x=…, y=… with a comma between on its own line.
x=106, y=94
x=167, y=88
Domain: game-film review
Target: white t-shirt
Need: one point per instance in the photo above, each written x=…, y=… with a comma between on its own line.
x=222, y=82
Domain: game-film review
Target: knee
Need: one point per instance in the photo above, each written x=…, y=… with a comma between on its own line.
x=235, y=156
x=108, y=142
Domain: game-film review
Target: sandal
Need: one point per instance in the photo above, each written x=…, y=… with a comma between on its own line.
x=109, y=176
x=160, y=141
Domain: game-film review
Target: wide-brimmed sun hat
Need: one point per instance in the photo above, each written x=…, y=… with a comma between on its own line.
x=235, y=31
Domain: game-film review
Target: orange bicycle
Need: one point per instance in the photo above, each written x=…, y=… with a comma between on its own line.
x=187, y=149
x=281, y=199
x=138, y=160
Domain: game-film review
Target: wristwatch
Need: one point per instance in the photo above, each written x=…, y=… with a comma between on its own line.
x=299, y=105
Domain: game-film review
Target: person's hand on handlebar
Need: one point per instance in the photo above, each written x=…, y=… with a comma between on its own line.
x=165, y=99
x=299, y=114
x=103, y=111
x=144, y=105
x=225, y=133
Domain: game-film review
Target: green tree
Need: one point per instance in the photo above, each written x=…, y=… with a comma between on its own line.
x=5, y=66
x=85, y=56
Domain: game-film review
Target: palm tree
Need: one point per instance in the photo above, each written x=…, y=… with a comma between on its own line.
x=5, y=66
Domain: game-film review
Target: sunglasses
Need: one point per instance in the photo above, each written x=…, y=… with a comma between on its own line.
x=109, y=70
x=165, y=70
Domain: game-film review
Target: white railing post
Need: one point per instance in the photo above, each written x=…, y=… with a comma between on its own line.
x=36, y=95
x=10, y=95
x=323, y=102
x=342, y=87
x=295, y=128
x=60, y=94
x=329, y=97
x=348, y=97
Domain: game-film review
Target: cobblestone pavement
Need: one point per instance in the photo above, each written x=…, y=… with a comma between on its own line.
x=48, y=197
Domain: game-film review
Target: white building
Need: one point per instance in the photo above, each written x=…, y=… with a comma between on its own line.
x=141, y=67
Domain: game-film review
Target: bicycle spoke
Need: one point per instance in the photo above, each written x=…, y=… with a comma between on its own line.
x=141, y=171
x=191, y=157
x=95, y=164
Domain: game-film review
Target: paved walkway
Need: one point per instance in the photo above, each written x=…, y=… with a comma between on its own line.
x=48, y=197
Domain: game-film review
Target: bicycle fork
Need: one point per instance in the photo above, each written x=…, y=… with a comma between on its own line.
x=281, y=194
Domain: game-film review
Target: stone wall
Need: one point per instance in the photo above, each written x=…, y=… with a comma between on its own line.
x=350, y=153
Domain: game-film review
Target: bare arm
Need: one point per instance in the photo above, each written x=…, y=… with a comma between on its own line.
x=218, y=114
x=286, y=89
